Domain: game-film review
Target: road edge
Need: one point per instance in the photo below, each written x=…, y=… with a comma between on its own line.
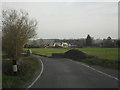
x=37, y=76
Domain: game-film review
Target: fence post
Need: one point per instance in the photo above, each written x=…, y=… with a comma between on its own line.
x=14, y=66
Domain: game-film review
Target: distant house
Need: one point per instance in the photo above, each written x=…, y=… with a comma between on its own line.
x=57, y=44
x=63, y=44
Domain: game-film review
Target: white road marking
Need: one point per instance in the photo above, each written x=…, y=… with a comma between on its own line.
x=95, y=70
x=37, y=77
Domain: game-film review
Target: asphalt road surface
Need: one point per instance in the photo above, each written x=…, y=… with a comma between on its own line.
x=65, y=73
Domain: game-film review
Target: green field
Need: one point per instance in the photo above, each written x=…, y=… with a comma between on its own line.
x=105, y=53
x=48, y=51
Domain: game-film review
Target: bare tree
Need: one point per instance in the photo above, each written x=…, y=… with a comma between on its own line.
x=17, y=28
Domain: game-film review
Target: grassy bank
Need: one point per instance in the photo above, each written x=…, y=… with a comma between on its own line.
x=27, y=68
x=102, y=62
x=98, y=61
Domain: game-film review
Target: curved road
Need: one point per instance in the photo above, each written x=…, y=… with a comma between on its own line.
x=65, y=73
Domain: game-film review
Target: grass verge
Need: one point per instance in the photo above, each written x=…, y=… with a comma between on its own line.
x=98, y=61
x=27, y=68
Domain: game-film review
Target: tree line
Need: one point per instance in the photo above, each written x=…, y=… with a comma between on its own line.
x=91, y=42
x=77, y=43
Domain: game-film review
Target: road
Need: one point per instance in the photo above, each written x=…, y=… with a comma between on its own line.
x=65, y=73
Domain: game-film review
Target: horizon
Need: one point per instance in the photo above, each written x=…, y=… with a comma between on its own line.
x=74, y=38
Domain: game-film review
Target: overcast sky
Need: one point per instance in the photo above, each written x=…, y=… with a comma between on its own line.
x=71, y=19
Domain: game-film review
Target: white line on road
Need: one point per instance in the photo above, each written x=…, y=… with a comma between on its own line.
x=96, y=70
x=37, y=77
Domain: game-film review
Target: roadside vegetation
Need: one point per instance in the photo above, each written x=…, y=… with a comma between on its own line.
x=78, y=55
x=28, y=66
x=17, y=29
